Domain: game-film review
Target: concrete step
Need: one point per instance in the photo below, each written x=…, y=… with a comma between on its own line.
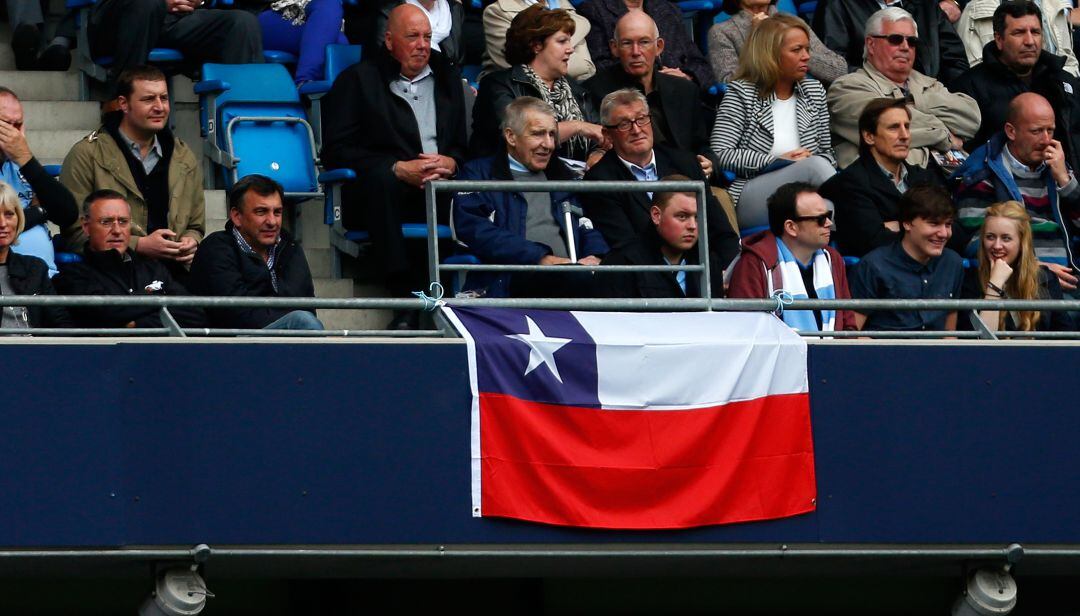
x=215, y=204
x=62, y=115
x=333, y=287
x=53, y=144
x=42, y=85
x=320, y=260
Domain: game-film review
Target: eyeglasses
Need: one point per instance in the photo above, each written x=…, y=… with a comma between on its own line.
x=896, y=39
x=645, y=43
x=109, y=222
x=625, y=125
x=819, y=218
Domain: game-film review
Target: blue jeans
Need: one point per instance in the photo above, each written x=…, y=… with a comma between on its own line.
x=322, y=26
x=297, y=319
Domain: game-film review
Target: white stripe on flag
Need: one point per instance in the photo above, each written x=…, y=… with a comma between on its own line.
x=474, y=423
x=693, y=360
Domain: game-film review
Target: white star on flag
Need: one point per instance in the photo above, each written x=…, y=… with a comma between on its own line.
x=541, y=348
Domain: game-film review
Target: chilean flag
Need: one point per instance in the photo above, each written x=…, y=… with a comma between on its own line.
x=637, y=420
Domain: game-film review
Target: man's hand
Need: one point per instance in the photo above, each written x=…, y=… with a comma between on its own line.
x=796, y=154
x=13, y=144
x=1064, y=275
x=706, y=165
x=182, y=6
x=160, y=244
x=553, y=260
x=756, y=18
x=428, y=167
x=951, y=10
x=674, y=72
x=188, y=246
x=955, y=142
x=594, y=157
x=892, y=225
x=1054, y=157
x=589, y=260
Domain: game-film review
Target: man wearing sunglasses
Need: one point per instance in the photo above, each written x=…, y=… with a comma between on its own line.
x=940, y=120
x=941, y=55
x=794, y=256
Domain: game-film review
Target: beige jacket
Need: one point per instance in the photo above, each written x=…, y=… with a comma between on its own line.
x=935, y=113
x=497, y=18
x=976, y=29
x=96, y=163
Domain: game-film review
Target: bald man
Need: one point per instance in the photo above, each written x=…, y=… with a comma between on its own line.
x=1025, y=163
x=398, y=120
x=680, y=119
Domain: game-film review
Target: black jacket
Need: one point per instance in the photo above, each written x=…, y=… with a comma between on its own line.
x=222, y=268
x=865, y=199
x=940, y=54
x=622, y=217
x=689, y=121
x=109, y=273
x=30, y=276
x=645, y=250
x=54, y=202
x=499, y=89
x=993, y=86
x=368, y=127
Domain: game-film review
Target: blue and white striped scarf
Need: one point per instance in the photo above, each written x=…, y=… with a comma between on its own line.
x=791, y=278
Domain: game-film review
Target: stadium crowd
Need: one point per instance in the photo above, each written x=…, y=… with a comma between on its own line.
x=896, y=150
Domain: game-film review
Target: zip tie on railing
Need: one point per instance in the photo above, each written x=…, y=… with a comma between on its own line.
x=783, y=298
x=433, y=301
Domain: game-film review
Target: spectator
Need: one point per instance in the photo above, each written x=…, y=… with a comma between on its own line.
x=109, y=267
x=43, y=198
x=624, y=217
x=682, y=59
x=1025, y=163
x=867, y=192
x=127, y=30
x=917, y=266
x=940, y=119
x=793, y=256
x=525, y=228
x=134, y=153
x=497, y=18
x=1015, y=62
x=670, y=239
x=304, y=29
x=679, y=118
x=1009, y=269
x=726, y=40
x=772, y=127
x=977, y=29
x=447, y=19
x=28, y=35
x=538, y=47
x=940, y=51
x=254, y=257
x=23, y=274
x=394, y=148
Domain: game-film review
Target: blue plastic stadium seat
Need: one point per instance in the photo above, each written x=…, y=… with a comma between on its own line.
x=752, y=230
x=787, y=6
x=338, y=58
x=253, y=122
x=471, y=73
x=276, y=56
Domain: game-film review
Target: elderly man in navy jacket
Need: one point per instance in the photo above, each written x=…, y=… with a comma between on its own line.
x=526, y=228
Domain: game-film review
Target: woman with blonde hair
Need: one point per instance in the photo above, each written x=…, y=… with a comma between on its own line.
x=23, y=274
x=772, y=127
x=1008, y=268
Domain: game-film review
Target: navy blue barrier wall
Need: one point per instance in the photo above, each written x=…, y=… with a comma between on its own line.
x=367, y=443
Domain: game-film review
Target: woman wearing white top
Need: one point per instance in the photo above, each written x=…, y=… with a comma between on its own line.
x=772, y=126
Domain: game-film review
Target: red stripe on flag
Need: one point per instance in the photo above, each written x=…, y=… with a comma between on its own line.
x=748, y=460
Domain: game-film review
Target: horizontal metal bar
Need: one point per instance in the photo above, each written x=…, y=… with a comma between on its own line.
x=896, y=334
x=575, y=267
x=574, y=186
x=84, y=331
x=209, y=332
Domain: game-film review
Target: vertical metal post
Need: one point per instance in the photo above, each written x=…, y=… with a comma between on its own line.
x=432, y=233
x=703, y=244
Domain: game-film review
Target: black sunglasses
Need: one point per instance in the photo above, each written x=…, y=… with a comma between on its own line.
x=896, y=39
x=820, y=218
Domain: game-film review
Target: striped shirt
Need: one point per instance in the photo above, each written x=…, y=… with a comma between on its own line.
x=271, y=255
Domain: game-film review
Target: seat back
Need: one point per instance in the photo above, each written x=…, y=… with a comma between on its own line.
x=339, y=58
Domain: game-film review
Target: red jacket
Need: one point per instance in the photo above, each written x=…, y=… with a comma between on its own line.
x=760, y=258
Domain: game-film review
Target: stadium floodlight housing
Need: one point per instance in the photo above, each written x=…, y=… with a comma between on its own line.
x=178, y=591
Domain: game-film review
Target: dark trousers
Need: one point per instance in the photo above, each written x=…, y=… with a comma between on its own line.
x=377, y=202
x=128, y=29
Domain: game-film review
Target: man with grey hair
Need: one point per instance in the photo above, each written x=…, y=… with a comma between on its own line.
x=940, y=120
x=525, y=228
x=623, y=217
x=842, y=26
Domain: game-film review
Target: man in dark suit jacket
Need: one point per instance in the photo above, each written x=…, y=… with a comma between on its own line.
x=621, y=217
x=680, y=119
x=867, y=193
x=398, y=120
